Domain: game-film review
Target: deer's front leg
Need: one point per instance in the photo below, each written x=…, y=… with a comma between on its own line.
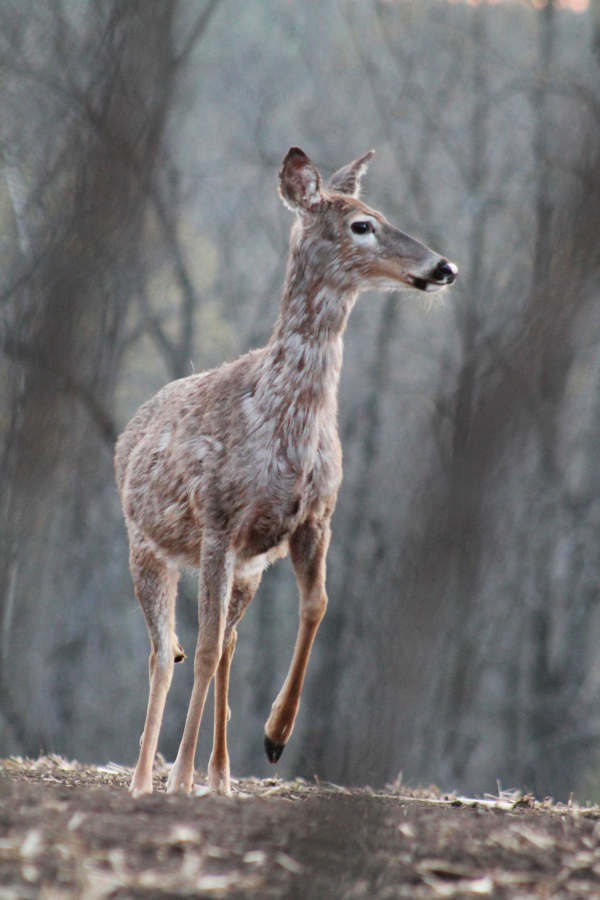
x=218, y=766
x=308, y=549
x=215, y=582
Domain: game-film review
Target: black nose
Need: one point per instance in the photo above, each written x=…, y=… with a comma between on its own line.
x=444, y=272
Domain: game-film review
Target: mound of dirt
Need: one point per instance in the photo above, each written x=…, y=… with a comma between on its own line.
x=72, y=831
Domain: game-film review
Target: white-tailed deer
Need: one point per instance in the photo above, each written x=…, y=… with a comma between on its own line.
x=227, y=470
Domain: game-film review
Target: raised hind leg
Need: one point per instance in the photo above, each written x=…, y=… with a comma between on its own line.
x=218, y=767
x=156, y=589
x=308, y=549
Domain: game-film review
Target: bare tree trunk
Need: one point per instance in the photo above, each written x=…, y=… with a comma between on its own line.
x=63, y=653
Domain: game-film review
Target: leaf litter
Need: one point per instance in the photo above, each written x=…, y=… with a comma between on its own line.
x=69, y=830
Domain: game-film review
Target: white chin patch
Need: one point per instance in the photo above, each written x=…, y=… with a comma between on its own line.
x=430, y=286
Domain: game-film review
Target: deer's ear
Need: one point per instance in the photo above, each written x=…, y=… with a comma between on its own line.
x=299, y=181
x=347, y=180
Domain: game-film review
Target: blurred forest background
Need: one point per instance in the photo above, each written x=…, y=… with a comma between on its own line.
x=142, y=238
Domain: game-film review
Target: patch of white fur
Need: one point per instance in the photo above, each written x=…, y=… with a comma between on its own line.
x=165, y=438
x=164, y=655
x=312, y=193
x=431, y=300
x=246, y=568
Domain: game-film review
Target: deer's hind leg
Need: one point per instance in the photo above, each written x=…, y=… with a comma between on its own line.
x=218, y=767
x=308, y=549
x=156, y=589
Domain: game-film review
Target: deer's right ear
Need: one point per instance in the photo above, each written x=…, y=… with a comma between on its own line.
x=347, y=180
x=299, y=181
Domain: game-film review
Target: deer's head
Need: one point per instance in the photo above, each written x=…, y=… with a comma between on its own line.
x=356, y=247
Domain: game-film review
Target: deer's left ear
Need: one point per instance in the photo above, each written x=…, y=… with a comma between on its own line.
x=299, y=181
x=347, y=180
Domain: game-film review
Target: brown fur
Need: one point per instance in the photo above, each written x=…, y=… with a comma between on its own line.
x=226, y=470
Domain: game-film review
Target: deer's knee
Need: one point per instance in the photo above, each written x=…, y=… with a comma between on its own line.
x=206, y=660
x=229, y=643
x=313, y=608
x=231, y=639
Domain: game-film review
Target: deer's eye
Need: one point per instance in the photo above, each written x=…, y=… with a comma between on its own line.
x=362, y=227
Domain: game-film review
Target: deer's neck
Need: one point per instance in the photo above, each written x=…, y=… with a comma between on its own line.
x=298, y=385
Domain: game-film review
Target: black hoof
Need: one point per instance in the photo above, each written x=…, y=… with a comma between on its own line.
x=274, y=750
x=179, y=654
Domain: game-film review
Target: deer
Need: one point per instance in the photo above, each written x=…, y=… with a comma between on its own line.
x=228, y=470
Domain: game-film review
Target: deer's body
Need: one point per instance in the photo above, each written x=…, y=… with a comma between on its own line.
x=228, y=470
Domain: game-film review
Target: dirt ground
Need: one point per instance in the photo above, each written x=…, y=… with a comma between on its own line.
x=72, y=831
